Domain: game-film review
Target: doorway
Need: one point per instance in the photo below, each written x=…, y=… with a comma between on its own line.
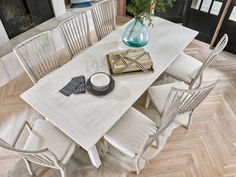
x=203, y=16
x=229, y=27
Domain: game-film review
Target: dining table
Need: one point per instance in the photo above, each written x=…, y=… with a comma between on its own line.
x=86, y=118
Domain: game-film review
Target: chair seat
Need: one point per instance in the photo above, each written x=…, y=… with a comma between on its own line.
x=184, y=68
x=45, y=135
x=160, y=93
x=131, y=132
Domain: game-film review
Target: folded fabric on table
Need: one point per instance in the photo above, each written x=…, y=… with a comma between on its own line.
x=131, y=60
x=76, y=86
x=81, y=88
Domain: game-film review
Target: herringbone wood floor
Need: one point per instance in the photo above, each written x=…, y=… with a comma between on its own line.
x=208, y=149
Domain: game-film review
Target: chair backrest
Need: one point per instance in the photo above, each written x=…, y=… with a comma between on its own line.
x=42, y=157
x=218, y=48
x=76, y=33
x=179, y=101
x=190, y=98
x=104, y=18
x=168, y=116
x=37, y=55
x=170, y=112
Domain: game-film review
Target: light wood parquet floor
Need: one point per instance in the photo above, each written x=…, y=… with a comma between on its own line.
x=208, y=149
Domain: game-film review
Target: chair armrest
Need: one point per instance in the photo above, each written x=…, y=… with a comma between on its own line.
x=25, y=124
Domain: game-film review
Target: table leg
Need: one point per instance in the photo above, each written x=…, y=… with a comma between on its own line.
x=94, y=157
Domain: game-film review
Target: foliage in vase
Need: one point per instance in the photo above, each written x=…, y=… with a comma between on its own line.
x=142, y=9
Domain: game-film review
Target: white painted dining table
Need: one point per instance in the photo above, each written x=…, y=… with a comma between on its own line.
x=85, y=118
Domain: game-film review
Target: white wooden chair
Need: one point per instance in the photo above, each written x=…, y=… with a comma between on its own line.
x=135, y=132
x=189, y=98
x=37, y=55
x=76, y=33
x=46, y=146
x=190, y=70
x=104, y=18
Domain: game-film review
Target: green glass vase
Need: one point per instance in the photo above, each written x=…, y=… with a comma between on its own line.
x=135, y=34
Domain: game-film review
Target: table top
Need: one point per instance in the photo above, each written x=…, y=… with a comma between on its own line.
x=85, y=118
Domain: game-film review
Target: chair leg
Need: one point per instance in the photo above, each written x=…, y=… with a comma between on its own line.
x=28, y=167
x=137, y=167
x=147, y=102
x=189, y=120
x=105, y=145
x=62, y=170
x=157, y=143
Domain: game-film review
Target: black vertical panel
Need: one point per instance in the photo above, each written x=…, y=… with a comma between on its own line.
x=127, y=3
x=229, y=27
x=40, y=10
x=204, y=22
x=19, y=16
x=14, y=18
x=25, y=6
x=176, y=13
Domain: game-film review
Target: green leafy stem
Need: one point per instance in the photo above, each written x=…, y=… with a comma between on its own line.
x=143, y=9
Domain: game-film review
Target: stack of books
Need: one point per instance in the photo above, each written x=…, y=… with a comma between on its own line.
x=80, y=3
x=131, y=60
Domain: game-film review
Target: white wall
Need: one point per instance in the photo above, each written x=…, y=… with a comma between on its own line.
x=59, y=7
x=3, y=35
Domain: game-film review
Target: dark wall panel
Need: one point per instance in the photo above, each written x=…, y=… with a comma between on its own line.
x=20, y=15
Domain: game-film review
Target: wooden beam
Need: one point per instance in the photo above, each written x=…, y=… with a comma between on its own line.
x=121, y=7
x=222, y=18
